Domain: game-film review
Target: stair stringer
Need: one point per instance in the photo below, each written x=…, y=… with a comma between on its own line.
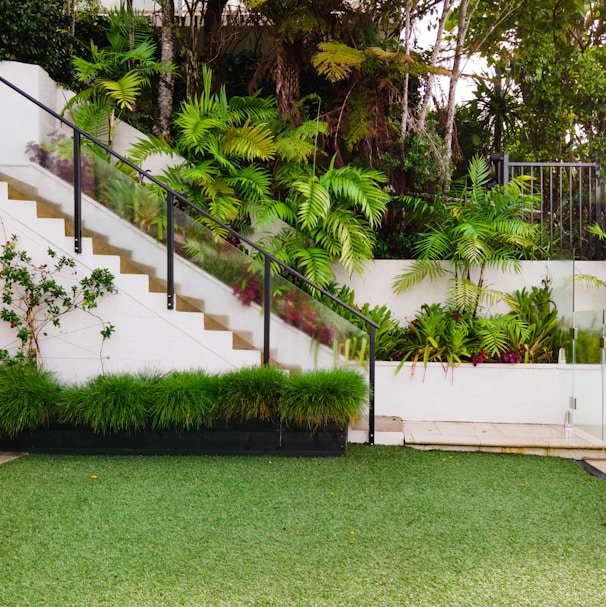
x=148, y=337
x=290, y=347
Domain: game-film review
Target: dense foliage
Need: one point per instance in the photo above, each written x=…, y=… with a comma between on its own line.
x=36, y=31
x=31, y=398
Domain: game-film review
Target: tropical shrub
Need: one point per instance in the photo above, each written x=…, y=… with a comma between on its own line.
x=223, y=142
x=476, y=227
x=251, y=393
x=115, y=75
x=178, y=401
x=183, y=401
x=333, y=215
x=108, y=403
x=528, y=334
x=230, y=144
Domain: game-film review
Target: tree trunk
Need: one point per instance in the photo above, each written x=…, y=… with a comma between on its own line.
x=191, y=48
x=287, y=82
x=213, y=22
x=435, y=53
x=404, y=119
x=462, y=26
x=166, y=85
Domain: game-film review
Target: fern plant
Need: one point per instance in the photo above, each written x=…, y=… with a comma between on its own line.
x=223, y=143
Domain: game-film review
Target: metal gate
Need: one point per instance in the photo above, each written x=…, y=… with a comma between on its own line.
x=572, y=197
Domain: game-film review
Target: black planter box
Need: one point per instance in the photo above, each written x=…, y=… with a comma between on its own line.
x=247, y=438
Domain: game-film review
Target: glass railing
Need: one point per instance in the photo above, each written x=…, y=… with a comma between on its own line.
x=237, y=290
x=588, y=366
x=295, y=315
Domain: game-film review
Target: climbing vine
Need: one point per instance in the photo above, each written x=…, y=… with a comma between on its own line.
x=33, y=298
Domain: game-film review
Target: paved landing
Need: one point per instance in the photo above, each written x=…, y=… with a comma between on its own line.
x=531, y=439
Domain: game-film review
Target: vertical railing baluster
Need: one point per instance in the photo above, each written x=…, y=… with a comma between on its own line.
x=170, y=251
x=77, y=193
x=371, y=385
x=266, y=308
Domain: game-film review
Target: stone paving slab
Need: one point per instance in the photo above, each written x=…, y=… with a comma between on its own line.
x=7, y=457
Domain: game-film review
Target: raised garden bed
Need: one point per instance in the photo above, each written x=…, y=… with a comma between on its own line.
x=246, y=438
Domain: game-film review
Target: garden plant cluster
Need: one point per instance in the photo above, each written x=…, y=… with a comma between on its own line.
x=31, y=398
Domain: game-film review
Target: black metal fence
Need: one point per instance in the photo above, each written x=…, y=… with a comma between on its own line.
x=573, y=197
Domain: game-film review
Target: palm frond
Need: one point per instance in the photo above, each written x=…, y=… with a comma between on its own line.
x=360, y=189
x=85, y=71
x=253, y=108
x=314, y=262
x=249, y=142
x=298, y=144
x=348, y=239
x=434, y=245
x=272, y=210
x=125, y=90
x=293, y=149
x=479, y=172
x=149, y=146
x=201, y=173
x=492, y=336
x=419, y=270
x=195, y=125
x=313, y=201
x=253, y=181
x=143, y=53
x=92, y=117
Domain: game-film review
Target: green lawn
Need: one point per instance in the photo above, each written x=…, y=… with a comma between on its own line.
x=383, y=526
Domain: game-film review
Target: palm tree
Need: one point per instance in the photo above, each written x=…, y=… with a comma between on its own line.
x=495, y=105
x=115, y=75
x=477, y=227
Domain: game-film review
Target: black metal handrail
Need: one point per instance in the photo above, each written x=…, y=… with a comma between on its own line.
x=171, y=196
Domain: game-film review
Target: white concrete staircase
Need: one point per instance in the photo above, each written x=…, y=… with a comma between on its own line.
x=148, y=336
x=290, y=348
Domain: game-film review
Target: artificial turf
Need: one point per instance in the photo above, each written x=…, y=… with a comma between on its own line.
x=383, y=526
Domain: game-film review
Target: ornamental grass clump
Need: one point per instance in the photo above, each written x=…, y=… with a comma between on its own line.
x=109, y=403
x=27, y=397
x=183, y=401
x=316, y=398
x=252, y=393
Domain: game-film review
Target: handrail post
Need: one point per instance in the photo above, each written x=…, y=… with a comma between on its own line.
x=266, y=308
x=77, y=193
x=505, y=169
x=371, y=386
x=170, y=251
